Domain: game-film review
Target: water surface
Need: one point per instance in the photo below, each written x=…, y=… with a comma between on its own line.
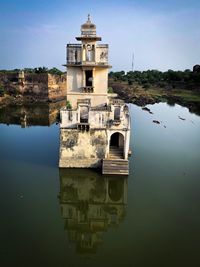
x=81, y=218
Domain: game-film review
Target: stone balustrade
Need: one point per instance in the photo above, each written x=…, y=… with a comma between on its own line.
x=88, y=89
x=97, y=119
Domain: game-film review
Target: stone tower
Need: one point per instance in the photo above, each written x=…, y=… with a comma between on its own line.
x=95, y=126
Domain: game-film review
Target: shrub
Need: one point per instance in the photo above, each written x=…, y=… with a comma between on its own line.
x=55, y=71
x=68, y=105
x=110, y=90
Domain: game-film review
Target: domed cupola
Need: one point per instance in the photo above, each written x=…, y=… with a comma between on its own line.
x=88, y=31
x=88, y=25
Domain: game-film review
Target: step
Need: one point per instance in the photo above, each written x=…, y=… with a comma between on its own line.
x=116, y=148
x=115, y=162
x=115, y=166
x=115, y=152
x=118, y=161
x=112, y=165
x=116, y=155
x=114, y=158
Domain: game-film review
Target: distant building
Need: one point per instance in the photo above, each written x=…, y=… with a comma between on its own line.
x=95, y=126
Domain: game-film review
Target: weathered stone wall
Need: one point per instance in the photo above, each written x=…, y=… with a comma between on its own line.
x=102, y=53
x=41, y=87
x=57, y=87
x=8, y=77
x=35, y=85
x=82, y=149
x=76, y=81
x=100, y=119
x=9, y=81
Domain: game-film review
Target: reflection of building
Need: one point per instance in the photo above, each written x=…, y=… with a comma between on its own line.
x=43, y=114
x=90, y=204
x=93, y=118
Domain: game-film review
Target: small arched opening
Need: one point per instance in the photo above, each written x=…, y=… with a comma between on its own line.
x=116, y=149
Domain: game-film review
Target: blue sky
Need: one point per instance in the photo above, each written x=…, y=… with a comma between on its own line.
x=162, y=34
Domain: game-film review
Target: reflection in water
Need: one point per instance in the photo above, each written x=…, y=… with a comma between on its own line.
x=90, y=204
x=43, y=114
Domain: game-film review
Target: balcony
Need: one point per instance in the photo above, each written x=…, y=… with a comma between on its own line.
x=83, y=127
x=111, y=123
x=78, y=55
x=94, y=63
x=83, y=101
x=88, y=89
x=116, y=122
x=116, y=101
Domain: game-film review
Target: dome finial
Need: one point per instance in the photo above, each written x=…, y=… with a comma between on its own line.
x=89, y=19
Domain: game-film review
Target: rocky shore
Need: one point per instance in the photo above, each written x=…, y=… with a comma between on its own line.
x=138, y=95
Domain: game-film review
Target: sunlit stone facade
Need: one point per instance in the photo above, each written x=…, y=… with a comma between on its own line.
x=95, y=126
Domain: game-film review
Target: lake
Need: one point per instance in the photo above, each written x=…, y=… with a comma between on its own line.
x=81, y=218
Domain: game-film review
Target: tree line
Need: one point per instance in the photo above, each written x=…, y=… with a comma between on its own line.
x=36, y=70
x=156, y=77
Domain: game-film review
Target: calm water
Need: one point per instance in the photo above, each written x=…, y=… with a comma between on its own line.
x=80, y=218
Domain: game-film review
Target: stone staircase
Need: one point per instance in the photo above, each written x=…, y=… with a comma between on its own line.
x=115, y=153
x=115, y=166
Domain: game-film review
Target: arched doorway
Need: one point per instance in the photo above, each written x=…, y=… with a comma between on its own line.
x=116, y=149
x=117, y=139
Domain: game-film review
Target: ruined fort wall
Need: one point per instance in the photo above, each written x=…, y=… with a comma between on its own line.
x=35, y=85
x=38, y=86
x=57, y=87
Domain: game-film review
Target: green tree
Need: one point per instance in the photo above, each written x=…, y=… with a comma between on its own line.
x=41, y=70
x=55, y=71
x=110, y=90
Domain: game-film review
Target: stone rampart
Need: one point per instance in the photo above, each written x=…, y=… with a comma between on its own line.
x=40, y=87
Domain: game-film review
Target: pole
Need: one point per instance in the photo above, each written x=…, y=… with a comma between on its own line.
x=133, y=61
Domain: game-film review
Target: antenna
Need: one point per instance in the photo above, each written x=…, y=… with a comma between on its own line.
x=133, y=61
x=89, y=18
